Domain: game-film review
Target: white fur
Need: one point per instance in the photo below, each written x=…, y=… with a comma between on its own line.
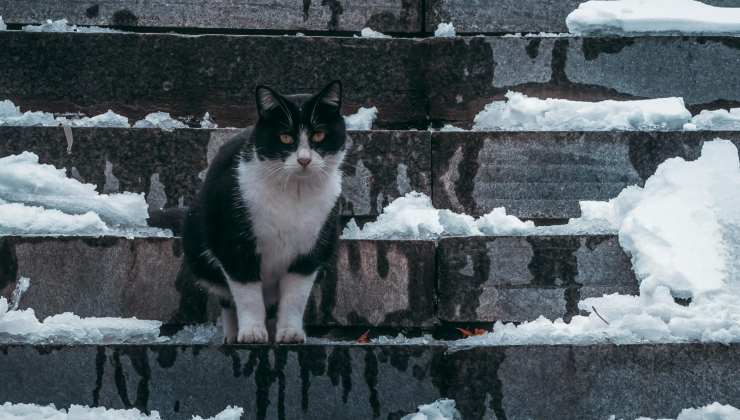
x=294, y=292
x=250, y=312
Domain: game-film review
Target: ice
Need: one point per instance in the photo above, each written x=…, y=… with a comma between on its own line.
x=369, y=33
x=198, y=334
x=714, y=411
x=450, y=127
x=720, y=119
x=633, y=17
x=207, y=122
x=62, y=25
x=24, y=180
x=521, y=112
x=445, y=30
x=362, y=119
x=11, y=411
x=682, y=230
x=11, y=115
x=401, y=339
x=108, y=119
x=3, y=26
x=161, y=120
x=23, y=284
x=442, y=409
x=414, y=217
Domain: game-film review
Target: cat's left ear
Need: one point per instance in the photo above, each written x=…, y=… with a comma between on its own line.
x=331, y=95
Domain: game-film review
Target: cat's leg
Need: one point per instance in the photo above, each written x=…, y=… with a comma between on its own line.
x=294, y=292
x=229, y=321
x=250, y=311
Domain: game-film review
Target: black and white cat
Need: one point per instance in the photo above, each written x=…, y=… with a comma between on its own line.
x=265, y=222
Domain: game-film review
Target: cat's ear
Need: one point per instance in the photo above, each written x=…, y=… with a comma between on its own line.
x=267, y=100
x=331, y=95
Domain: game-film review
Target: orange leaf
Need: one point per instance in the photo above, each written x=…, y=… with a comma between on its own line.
x=363, y=338
x=465, y=333
x=479, y=331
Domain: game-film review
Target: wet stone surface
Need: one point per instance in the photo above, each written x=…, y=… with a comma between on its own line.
x=544, y=175
x=169, y=167
x=521, y=278
x=309, y=15
x=371, y=381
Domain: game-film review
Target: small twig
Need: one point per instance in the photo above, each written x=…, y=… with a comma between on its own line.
x=599, y=315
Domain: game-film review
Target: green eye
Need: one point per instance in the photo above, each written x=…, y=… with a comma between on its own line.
x=286, y=139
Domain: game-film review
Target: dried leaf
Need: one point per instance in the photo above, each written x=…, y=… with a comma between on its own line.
x=363, y=338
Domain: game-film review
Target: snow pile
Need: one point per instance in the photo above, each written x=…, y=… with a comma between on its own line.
x=683, y=233
x=720, y=119
x=62, y=25
x=362, y=119
x=521, y=112
x=370, y=33
x=714, y=411
x=161, y=120
x=443, y=409
x=108, y=119
x=207, y=122
x=652, y=16
x=10, y=411
x=3, y=26
x=445, y=30
x=12, y=115
x=414, y=217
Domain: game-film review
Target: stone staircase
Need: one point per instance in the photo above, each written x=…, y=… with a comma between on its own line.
x=415, y=287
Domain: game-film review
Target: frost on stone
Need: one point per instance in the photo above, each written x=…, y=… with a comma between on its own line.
x=682, y=230
x=11, y=411
x=714, y=411
x=442, y=409
x=521, y=112
x=445, y=30
x=207, y=122
x=635, y=17
x=362, y=119
x=370, y=33
x=161, y=120
x=720, y=119
x=62, y=25
x=414, y=217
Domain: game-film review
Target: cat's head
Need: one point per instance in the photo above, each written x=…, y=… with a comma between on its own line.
x=300, y=135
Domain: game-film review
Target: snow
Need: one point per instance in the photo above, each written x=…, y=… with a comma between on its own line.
x=720, y=119
x=362, y=119
x=450, y=128
x=161, y=120
x=442, y=409
x=369, y=33
x=108, y=119
x=714, y=411
x=3, y=26
x=62, y=25
x=521, y=112
x=207, y=122
x=414, y=217
x=682, y=230
x=445, y=30
x=10, y=411
x=622, y=17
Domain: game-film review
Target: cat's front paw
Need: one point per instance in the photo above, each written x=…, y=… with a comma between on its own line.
x=290, y=335
x=252, y=334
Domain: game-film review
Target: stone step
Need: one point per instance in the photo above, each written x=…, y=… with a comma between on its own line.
x=535, y=175
x=342, y=381
x=277, y=15
x=375, y=283
x=511, y=16
x=169, y=166
x=411, y=81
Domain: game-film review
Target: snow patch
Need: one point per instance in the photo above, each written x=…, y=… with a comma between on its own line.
x=442, y=409
x=207, y=122
x=521, y=112
x=682, y=230
x=362, y=119
x=3, y=26
x=414, y=217
x=624, y=17
x=11, y=411
x=370, y=33
x=62, y=25
x=720, y=119
x=445, y=30
x=161, y=120
x=714, y=411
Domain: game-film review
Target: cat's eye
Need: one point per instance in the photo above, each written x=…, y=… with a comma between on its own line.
x=318, y=136
x=286, y=139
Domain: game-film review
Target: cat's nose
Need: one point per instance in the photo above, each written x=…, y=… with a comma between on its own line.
x=304, y=161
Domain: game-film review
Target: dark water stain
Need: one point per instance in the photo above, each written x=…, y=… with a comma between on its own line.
x=335, y=6
x=533, y=47
x=592, y=47
x=455, y=289
x=382, y=258
x=340, y=370
x=92, y=11
x=306, y=9
x=554, y=263
x=139, y=358
x=371, y=379
x=166, y=356
x=124, y=17
x=100, y=359
x=8, y=264
x=651, y=149
x=312, y=362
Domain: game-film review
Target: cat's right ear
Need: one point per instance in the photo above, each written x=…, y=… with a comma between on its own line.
x=267, y=100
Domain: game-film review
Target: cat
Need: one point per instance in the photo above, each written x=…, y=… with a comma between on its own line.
x=265, y=222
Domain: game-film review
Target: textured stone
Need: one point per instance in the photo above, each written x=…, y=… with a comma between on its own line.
x=378, y=283
x=543, y=175
x=490, y=279
x=381, y=165
x=370, y=381
x=135, y=74
x=337, y=15
x=468, y=73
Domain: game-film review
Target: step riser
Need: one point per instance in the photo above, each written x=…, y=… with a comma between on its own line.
x=376, y=283
x=381, y=166
x=319, y=382
x=343, y=15
x=451, y=78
